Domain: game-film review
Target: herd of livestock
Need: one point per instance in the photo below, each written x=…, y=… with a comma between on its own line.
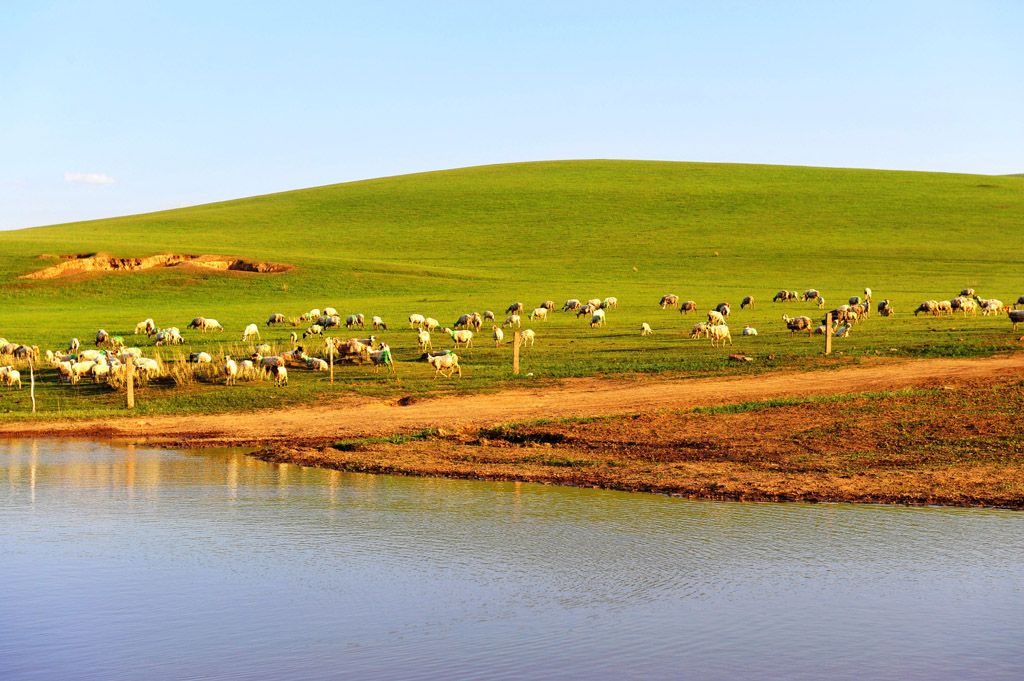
x=113, y=361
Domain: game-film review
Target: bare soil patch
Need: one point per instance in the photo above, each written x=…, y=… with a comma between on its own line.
x=81, y=263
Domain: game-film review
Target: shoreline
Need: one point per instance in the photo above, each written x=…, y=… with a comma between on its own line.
x=931, y=431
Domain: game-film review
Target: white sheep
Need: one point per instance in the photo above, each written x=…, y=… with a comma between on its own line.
x=276, y=318
x=715, y=317
x=378, y=324
x=314, y=330
x=528, y=336
x=317, y=364
x=464, y=336
x=719, y=333
x=449, y=361
x=382, y=357
x=498, y=335
x=330, y=312
x=749, y=331
x=424, y=341
x=211, y=325
x=539, y=313
x=645, y=329
x=200, y=358
x=842, y=331
x=572, y=305
x=610, y=301
x=74, y=345
x=596, y=302
x=430, y=323
x=415, y=320
x=230, y=370
x=11, y=377
x=669, y=300
x=250, y=331
x=102, y=338
x=280, y=375
x=355, y=320
x=597, y=319
x=514, y=320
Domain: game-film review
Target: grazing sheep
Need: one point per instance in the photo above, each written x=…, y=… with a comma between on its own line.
x=25, y=352
x=312, y=314
x=102, y=338
x=969, y=292
x=539, y=313
x=431, y=324
x=262, y=349
x=277, y=318
x=317, y=364
x=328, y=321
x=514, y=320
x=597, y=319
x=1016, y=316
x=354, y=320
x=719, y=333
x=200, y=358
x=747, y=302
x=784, y=296
x=1020, y=301
x=293, y=337
x=883, y=306
x=280, y=375
x=944, y=307
x=449, y=361
x=809, y=294
x=699, y=329
x=821, y=330
x=330, y=312
x=382, y=357
x=230, y=370
x=169, y=336
x=424, y=341
x=610, y=301
x=843, y=331
x=715, y=317
x=378, y=324
x=669, y=300
x=992, y=306
x=795, y=324
x=528, y=336
x=855, y=300
x=867, y=295
x=146, y=326
x=250, y=331
x=645, y=329
x=821, y=302
x=211, y=325
x=724, y=309
x=687, y=307
x=928, y=306
x=415, y=320
x=514, y=308
x=465, y=337
x=88, y=355
x=196, y=323
x=548, y=305
x=587, y=309
x=489, y=316
x=146, y=367
x=464, y=321
x=10, y=375
x=572, y=305
x=314, y=330
x=498, y=335
x=749, y=331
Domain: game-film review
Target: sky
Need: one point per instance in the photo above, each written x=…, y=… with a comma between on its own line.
x=116, y=108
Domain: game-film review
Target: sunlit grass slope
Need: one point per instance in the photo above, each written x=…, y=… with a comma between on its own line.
x=448, y=242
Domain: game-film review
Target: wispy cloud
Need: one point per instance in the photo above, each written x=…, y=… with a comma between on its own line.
x=88, y=178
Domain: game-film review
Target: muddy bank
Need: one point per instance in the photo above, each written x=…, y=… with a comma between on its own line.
x=81, y=263
x=957, y=446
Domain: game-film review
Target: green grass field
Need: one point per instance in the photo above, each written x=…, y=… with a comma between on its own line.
x=445, y=243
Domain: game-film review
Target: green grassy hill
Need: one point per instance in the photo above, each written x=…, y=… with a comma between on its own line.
x=448, y=242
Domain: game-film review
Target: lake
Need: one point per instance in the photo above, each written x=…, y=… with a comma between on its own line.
x=122, y=562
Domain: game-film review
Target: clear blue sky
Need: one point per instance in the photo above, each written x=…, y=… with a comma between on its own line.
x=112, y=108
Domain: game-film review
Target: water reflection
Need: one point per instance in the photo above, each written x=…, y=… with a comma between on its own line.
x=117, y=559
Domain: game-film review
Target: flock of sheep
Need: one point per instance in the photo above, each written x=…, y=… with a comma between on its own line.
x=111, y=358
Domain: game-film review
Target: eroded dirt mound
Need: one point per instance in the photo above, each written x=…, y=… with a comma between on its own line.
x=103, y=262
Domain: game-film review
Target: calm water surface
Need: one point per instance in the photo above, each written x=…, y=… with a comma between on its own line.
x=133, y=563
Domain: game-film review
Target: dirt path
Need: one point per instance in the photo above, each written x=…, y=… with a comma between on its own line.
x=577, y=397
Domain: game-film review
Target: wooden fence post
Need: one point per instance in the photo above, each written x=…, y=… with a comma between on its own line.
x=32, y=383
x=828, y=334
x=515, y=353
x=330, y=356
x=130, y=373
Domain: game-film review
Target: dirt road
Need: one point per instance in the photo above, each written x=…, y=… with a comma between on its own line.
x=351, y=418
